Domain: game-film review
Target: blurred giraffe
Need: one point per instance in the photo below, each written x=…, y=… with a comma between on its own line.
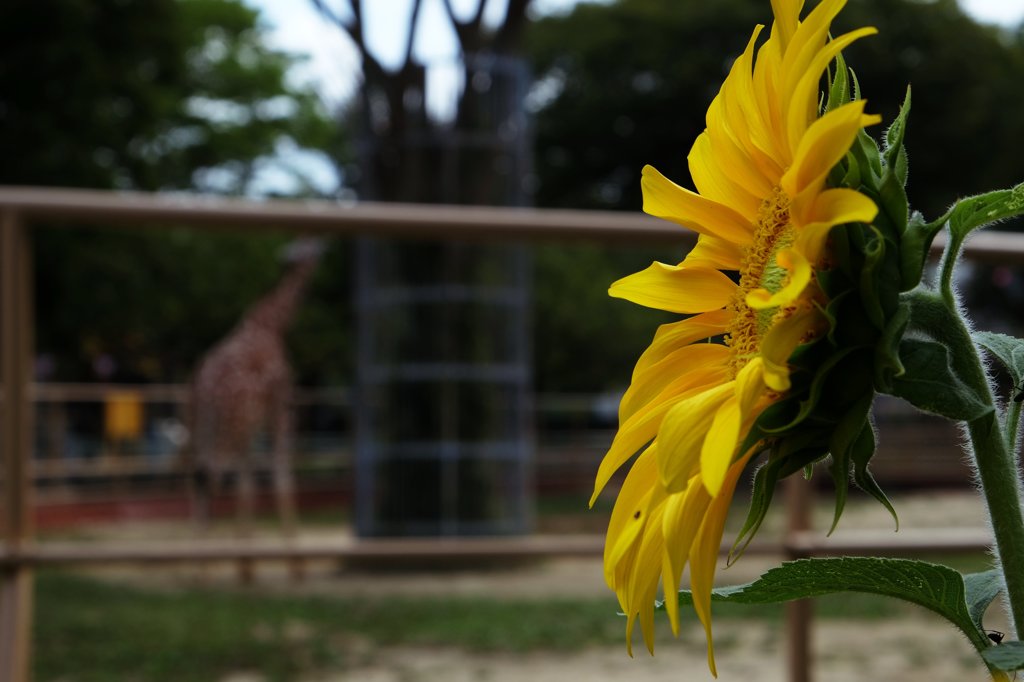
x=242, y=385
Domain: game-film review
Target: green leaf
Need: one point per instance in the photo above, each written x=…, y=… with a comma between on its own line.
x=1006, y=656
x=981, y=589
x=1007, y=349
x=930, y=384
x=978, y=211
x=936, y=588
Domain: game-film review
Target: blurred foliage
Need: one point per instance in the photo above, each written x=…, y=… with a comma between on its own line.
x=156, y=95
x=186, y=94
x=628, y=83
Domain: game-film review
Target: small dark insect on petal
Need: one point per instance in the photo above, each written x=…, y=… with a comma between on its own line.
x=637, y=515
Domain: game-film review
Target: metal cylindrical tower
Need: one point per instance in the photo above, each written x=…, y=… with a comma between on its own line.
x=444, y=437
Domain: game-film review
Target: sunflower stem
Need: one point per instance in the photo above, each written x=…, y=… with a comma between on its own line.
x=1013, y=426
x=993, y=457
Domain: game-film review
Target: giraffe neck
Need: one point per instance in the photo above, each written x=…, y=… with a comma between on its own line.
x=276, y=310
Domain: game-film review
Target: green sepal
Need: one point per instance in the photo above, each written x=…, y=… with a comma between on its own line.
x=839, y=85
x=887, y=363
x=861, y=453
x=937, y=588
x=841, y=446
x=785, y=458
x=914, y=248
x=931, y=385
x=1008, y=350
x=874, y=256
x=866, y=154
x=894, y=150
x=892, y=195
x=761, y=495
x=814, y=392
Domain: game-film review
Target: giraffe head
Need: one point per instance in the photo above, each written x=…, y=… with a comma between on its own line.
x=303, y=250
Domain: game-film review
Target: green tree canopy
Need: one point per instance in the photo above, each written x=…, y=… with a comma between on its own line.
x=152, y=95
x=628, y=83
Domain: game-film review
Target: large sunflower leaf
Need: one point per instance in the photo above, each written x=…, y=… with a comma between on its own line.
x=981, y=589
x=1006, y=656
x=1007, y=349
x=931, y=385
x=937, y=588
x=978, y=211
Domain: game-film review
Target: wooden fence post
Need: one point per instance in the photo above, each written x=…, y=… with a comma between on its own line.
x=16, y=322
x=800, y=613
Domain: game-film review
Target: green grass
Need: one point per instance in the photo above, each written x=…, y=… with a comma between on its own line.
x=89, y=630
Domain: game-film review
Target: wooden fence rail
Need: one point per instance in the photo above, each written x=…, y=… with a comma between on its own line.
x=23, y=208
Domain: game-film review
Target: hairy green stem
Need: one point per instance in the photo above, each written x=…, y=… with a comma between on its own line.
x=996, y=465
x=1012, y=426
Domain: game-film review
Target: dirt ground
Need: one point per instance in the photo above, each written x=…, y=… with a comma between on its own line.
x=914, y=648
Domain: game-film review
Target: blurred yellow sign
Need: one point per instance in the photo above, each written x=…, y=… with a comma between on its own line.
x=122, y=419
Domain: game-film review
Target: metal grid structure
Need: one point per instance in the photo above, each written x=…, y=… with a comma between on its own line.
x=23, y=208
x=443, y=436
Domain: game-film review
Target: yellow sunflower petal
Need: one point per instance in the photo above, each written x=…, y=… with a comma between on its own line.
x=643, y=584
x=798, y=120
x=682, y=434
x=740, y=133
x=787, y=15
x=720, y=444
x=682, y=518
x=643, y=425
x=652, y=380
x=629, y=516
x=711, y=252
x=828, y=209
x=780, y=342
x=826, y=142
x=675, y=288
x=665, y=199
x=799, y=277
x=712, y=178
x=670, y=337
x=724, y=435
x=704, y=552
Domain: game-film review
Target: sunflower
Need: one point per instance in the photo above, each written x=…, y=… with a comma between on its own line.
x=763, y=210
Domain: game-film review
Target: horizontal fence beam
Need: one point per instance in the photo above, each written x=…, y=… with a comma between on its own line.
x=342, y=218
x=385, y=550
x=423, y=221
x=459, y=549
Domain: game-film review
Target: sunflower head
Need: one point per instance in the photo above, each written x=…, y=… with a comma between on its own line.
x=791, y=298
